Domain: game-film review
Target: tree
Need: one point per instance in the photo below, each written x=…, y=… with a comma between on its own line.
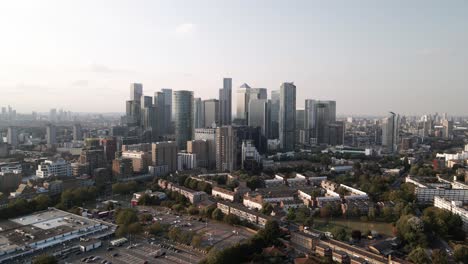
x=45, y=259
x=42, y=202
x=339, y=233
x=217, y=214
x=271, y=232
x=156, y=229
x=134, y=228
x=196, y=241
x=356, y=235
x=126, y=217
x=439, y=256
x=460, y=253
x=419, y=256
x=291, y=216
x=192, y=210
x=232, y=219
x=267, y=208
x=411, y=229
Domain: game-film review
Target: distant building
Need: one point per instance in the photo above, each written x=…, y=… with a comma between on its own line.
x=77, y=132
x=12, y=136
x=287, y=116
x=226, y=155
x=165, y=154
x=225, y=102
x=136, y=91
x=198, y=114
x=186, y=161
x=122, y=168
x=208, y=134
x=211, y=114
x=200, y=149
x=140, y=160
x=49, y=168
x=390, y=132
x=51, y=135
x=182, y=104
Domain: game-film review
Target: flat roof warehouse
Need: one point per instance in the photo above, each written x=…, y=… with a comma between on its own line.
x=27, y=234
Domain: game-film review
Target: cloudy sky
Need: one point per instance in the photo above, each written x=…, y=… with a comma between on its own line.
x=370, y=56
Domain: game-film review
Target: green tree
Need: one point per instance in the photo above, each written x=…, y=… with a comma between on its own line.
x=232, y=219
x=339, y=233
x=267, y=208
x=271, y=232
x=419, y=256
x=156, y=229
x=45, y=259
x=134, y=228
x=460, y=253
x=291, y=216
x=42, y=202
x=126, y=216
x=217, y=214
x=439, y=256
x=192, y=210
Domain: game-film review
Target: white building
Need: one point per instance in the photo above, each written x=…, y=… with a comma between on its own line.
x=223, y=193
x=59, y=167
x=186, y=161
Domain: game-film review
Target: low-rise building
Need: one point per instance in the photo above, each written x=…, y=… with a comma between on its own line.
x=243, y=213
x=456, y=207
x=49, y=168
x=224, y=194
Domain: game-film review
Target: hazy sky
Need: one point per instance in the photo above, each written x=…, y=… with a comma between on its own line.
x=370, y=56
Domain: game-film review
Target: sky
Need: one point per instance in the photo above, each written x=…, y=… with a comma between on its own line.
x=372, y=57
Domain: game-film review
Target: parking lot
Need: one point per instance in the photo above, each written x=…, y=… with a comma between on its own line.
x=140, y=252
x=214, y=233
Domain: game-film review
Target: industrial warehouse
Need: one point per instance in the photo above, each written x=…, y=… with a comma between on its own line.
x=32, y=233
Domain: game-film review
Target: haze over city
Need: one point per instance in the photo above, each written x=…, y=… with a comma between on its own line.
x=404, y=56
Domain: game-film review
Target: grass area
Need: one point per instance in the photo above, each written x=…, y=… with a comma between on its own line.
x=353, y=224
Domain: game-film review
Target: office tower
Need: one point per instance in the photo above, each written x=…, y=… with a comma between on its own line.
x=53, y=115
x=77, y=132
x=168, y=110
x=225, y=101
x=211, y=113
x=197, y=113
x=300, y=119
x=133, y=113
x=244, y=94
x=226, y=156
x=448, y=128
x=336, y=133
x=200, y=149
x=146, y=101
x=93, y=157
x=164, y=154
x=242, y=104
x=250, y=156
x=390, y=132
x=161, y=113
x=208, y=135
x=150, y=122
x=318, y=115
x=274, y=114
x=182, y=106
x=51, y=134
x=287, y=116
x=258, y=115
x=136, y=91
x=12, y=136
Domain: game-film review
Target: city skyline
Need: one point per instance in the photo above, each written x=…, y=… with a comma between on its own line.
x=391, y=55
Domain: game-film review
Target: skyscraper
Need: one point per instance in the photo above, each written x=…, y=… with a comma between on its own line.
x=390, y=132
x=168, y=109
x=77, y=132
x=208, y=135
x=242, y=102
x=136, y=91
x=51, y=135
x=225, y=101
x=274, y=114
x=211, y=113
x=244, y=95
x=226, y=154
x=12, y=136
x=182, y=107
x=198, y=121
x=258, y=115
x=161, y=113
x=318, y=116
x=287, y=116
